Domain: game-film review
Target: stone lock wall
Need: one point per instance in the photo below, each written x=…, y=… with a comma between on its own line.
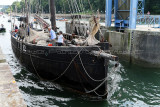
x=135, y=46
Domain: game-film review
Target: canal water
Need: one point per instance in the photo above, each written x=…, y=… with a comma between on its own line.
x=129, y=85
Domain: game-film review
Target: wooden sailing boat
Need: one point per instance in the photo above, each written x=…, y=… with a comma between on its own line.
x=81, y=68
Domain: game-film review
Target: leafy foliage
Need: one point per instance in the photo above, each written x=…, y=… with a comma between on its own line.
x=80, y=6
x=63, y=6
x=153, y=6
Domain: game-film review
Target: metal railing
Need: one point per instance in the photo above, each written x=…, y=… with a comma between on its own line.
x=151, y=20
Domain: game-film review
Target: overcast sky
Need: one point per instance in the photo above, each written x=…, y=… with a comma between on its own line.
x=7, y=2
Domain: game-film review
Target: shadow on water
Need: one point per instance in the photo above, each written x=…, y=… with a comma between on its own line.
x=45, y=94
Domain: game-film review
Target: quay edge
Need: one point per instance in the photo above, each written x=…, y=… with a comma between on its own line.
x=10, y=95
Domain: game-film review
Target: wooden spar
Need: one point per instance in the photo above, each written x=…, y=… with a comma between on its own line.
x=43, y=22
x=11, y=16
x=29, y=15
x=26, y=10
x=42, y=12
x=105, y=55
x=53, y=14
x=49, y=6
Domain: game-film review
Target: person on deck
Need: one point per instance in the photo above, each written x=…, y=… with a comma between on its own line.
x=28, y=31
x=60, y=38
x=2, y=25
x=31, y=25
x=21, y=32
x=16, y=28
x=52, y=36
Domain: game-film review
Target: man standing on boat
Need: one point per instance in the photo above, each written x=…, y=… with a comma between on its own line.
x=21, y=32
x=52, y=36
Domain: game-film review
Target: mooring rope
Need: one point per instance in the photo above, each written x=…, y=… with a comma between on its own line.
x=103, y=80
x=101, y=95
x=61, y=73
x=35, y=69
x=67, y=67
x=97, y=86
x=87, y=72
x=93, y=90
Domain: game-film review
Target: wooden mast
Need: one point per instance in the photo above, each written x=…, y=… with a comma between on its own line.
x=53, y=14
x=26, y=10
x=49, y=6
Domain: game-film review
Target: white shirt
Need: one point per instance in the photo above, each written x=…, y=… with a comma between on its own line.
x=60, y=38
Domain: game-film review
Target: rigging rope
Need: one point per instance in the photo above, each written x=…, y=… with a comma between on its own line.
x=90, y=6
x=76, y=4
x=69, y=7
x=72, y=6
x=83, y=8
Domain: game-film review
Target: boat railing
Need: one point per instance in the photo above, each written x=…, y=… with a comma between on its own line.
x=70, y=36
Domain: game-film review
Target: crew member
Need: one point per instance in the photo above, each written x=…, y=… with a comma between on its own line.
x=52, y=36
x=21, y=32
x=2, y=25
x=60, y=38
x=16, y=28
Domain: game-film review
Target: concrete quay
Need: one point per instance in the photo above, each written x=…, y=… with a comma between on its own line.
x=139, y=46
x=10, y=95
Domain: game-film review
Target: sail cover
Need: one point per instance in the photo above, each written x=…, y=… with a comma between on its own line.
x=94, y=27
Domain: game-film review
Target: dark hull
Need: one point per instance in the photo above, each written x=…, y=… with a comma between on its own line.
x=63, y=65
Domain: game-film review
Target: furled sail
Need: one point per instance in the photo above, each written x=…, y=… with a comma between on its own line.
x=94, y=27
